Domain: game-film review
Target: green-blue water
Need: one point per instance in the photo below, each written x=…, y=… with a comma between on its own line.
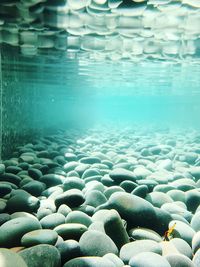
x=44, y=93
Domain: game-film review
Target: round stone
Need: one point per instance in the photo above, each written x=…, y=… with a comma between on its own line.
x=71, y=230
x=69, y=249
x=12, y=231
x=135, y=210
x=78, y=217
x=52, y=220
x=73, y=182
x=10, y=177
x=119, y=175
x=134, y=248
x=148, y=259
x=144, y=233
x=5, y=189
x=38, y=237
x=179, y=260
x=9, y=258
x=72, y=198
x=89, y=262
x=23, y=202
x=41, y=255
x=35, y=188
x=52, y=179
x=94, y=243
x=95, y=198
x=196, y=242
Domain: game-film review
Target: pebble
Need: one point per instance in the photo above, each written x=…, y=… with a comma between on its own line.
x=119, y=175
x=71, y=230
x=68, y=250
x=23, y=201
x=78, y=217
x=45, y=255
x=89, y=262
x=148, y=259
x=38, y=237
x=135, y=210
x=9, y=258
x=179, y=260
x=95, y=243
x=134, y=248
x=12, y=231
x=72, y=198
x=52, y=220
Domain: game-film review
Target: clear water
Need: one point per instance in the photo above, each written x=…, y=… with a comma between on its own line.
x=44, y=93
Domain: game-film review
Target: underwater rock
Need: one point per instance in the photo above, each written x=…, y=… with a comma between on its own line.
x=35, y=173
x=52, y=220
x=52, y=179
x=195, y=222
x=135, y=210
x=137, y=247
x=69, y=249
x=144, y=233
x=78, y=217
x=94, y=198
x=95, y=243
x=38, y=237
x=46, y=254
x=196, y=242
x=73, y=182
x=35, y=188
x=115, y=259
x=4, y=217
x=5, y=189
x=10, y=258
x=12, y=231
x=88, y=262
x=73, y=198
x=148, y=259
x=128, y=186
x=23, y=201
x=113, y=226
x=141, y=191
x=182, y=230
x=158, y=198
x=179, y=260
x=182, y=246
x=119, y=175
x=71, y=230
x=10, y=177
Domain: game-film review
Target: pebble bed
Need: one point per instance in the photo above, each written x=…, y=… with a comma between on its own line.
x=102, y=198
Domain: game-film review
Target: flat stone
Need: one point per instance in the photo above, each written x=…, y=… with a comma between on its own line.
x=35, y=188
x=69, y=249
x=148, y=259
x=196, y=242
x=78, y=217
x=46, y=255
x=23, y=202
x=134, y=248
x=89, y=262
x=10, y=177
x=52, y=220
x=38, y=237
x=52, y=179
x=70, y=230
x=12, y=231
x=72, y=198
x=135, y=210
x=144, y=233
x=9, y=258
x=95, y=243
x=119, y=175
x=179, y=260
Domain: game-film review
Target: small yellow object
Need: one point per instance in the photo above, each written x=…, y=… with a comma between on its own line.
x=169, y=232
